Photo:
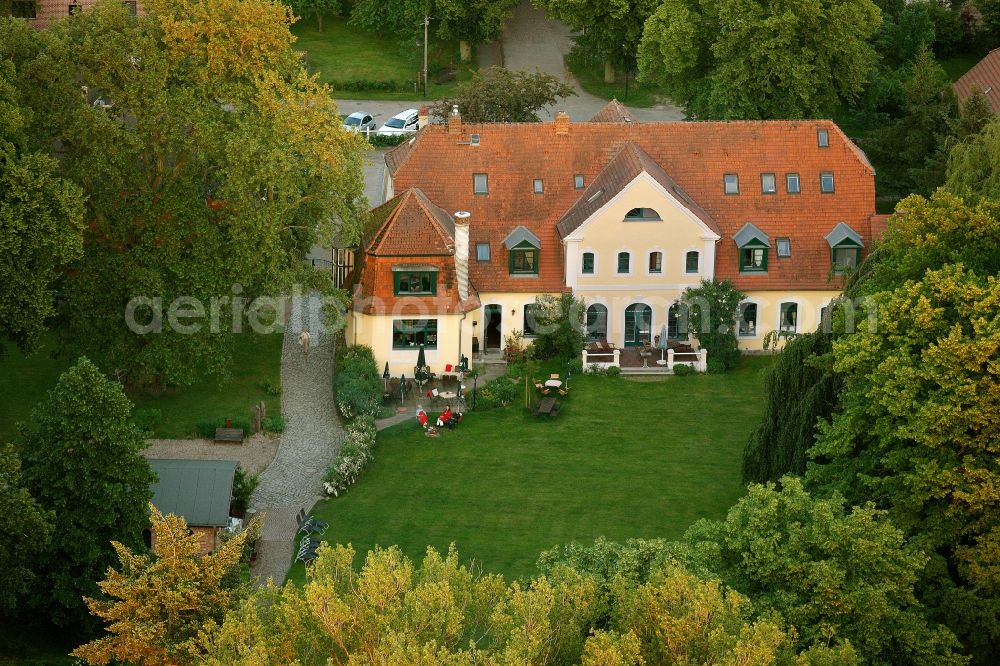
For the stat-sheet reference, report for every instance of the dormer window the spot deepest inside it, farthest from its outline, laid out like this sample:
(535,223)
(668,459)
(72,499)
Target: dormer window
(823,138)
(753,245)
(523,249)
(642,215)
(414,281)
(845,248)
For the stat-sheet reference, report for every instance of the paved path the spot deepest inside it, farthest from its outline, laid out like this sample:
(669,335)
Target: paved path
(309,444)
(254,455)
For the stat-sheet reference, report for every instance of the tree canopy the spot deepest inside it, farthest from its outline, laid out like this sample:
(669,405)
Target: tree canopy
(41,217)
(974,165)
(500,95)
(472,21)
(711,311)
(210,166)
(81,463)
(26,529)
(759,59)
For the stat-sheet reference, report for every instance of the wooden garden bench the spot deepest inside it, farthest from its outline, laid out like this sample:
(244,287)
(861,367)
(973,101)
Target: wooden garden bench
(229,435)
(548,407)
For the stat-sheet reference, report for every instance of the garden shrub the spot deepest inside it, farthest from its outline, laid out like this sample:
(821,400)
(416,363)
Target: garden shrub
(357,451)
(360,85)
(559,326)
(499,392)
(272,388)
(712,318)
(274,423)
(613,371)
(147,420)
(379,141)
(683,370)
(357,382)
(243,486)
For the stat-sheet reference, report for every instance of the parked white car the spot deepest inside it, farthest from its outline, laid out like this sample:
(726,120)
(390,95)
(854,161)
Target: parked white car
(403,122)
(360,121)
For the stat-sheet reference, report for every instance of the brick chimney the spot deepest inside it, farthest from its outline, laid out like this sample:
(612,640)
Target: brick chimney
(462,252)
(422,117)
(562,124)
(454,121)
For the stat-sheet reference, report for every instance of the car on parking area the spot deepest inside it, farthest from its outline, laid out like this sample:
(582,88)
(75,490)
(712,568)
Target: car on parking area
(360,121)
(403,122)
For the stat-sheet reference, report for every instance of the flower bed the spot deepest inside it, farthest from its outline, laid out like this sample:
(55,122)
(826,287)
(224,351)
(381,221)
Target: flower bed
(356,453)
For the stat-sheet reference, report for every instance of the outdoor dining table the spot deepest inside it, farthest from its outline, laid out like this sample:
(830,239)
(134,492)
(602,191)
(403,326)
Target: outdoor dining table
(553,383)
(447,395)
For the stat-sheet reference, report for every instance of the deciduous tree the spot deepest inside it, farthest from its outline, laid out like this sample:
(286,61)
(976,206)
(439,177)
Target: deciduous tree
(748,59)
(160,607)
(41,218)
(26,530)
(81,462)
(974,165)
(711,310)
(213,165)
(315,9)
(500,95)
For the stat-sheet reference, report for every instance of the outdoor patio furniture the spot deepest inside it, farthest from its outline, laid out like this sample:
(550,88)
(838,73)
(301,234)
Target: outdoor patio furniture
(554,382)
(547,407)
(229,435)
(309,524)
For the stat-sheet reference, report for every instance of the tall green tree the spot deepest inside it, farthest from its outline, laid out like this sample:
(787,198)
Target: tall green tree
(82,464)
(316,9)
(212,166)
(749,59)
(501,95)
(974,165)
(608,29)
(41,218)
(830,571)
(26,530)
(559,326)
(711,309)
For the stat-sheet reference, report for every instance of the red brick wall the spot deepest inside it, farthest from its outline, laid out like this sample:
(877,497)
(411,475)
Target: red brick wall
(48,11)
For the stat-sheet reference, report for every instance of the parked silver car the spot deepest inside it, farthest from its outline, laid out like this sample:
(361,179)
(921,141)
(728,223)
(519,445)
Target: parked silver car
(360,121)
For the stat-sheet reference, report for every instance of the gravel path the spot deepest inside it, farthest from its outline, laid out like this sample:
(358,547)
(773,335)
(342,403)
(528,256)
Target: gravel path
(254,455)
(310,442)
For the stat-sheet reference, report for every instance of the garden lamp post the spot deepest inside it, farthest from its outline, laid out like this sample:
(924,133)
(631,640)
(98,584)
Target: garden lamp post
(474,392)
(385,378)
(569,373)
(402,388)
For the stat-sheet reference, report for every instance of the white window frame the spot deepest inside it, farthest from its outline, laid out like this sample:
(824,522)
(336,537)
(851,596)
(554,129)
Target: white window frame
(756,323)
(798,314)
(538,186)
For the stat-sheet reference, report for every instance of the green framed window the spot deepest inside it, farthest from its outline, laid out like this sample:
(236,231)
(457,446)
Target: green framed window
(411,333)
(414,283)
(597,322)
(845,257)
(530,327)
(746,320)
(638,324)
(642,215)
(753,257)
(524,259)
(789,317)
(691,262)
(587,267)
(624,262)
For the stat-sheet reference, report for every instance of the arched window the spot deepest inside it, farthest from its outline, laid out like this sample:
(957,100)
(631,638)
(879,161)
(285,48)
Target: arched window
(597,323)
(638,324)
(642,215)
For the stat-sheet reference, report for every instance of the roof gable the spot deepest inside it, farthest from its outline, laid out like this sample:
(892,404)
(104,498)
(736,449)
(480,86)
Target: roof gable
(843,233)
(614,112)
(413,227)
(749,233)
(630,163)
(521,235)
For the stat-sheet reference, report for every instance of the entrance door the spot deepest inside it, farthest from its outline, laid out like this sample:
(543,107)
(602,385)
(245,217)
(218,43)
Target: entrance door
(491,327)
(638,323)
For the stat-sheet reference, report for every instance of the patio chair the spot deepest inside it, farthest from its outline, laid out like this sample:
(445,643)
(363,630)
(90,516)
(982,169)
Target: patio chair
(309,524)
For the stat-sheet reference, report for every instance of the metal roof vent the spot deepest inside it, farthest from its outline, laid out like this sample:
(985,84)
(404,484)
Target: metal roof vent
(594,196)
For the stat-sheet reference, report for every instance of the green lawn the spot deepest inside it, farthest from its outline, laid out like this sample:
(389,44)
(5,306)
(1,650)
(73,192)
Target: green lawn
(342,53)
(623,459)
(24,382)
(959,64)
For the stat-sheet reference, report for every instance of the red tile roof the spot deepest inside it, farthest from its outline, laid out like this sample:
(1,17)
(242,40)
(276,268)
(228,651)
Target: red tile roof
(696,155)
(613,112)
(986,75)
(409,232)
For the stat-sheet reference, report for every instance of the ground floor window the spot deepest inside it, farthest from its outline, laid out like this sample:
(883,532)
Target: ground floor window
(597,323)
(747,319)
(677,322)
(789,317)
(409,333)
(530,319)
(638,324)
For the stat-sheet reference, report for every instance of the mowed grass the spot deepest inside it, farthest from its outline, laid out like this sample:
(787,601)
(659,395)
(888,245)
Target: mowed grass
(623,459)
(345,53)
(26,380)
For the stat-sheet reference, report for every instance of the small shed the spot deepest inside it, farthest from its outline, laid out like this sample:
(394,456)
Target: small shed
(198,490)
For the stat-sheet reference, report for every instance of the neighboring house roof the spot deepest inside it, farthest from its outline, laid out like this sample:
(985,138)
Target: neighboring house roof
(750,233)
(198,490)
(614,112)
(986,75)
(409,233)
(696,155)
(413,227)
(630,161)
(842,233)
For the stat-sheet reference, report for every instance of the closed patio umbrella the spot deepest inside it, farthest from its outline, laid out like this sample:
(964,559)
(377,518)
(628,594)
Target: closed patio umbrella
(421,360)
(402,388)
(385,378)
(662,344)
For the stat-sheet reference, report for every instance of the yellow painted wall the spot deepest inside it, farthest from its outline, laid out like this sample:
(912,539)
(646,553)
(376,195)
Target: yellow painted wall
(508,322)
(810,305)
(376,332)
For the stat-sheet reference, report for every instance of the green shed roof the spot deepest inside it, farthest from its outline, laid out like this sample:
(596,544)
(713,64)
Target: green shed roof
(198,490)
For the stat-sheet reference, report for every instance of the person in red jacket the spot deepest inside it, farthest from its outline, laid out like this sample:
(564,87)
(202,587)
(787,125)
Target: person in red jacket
(445,417)
(421,417)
